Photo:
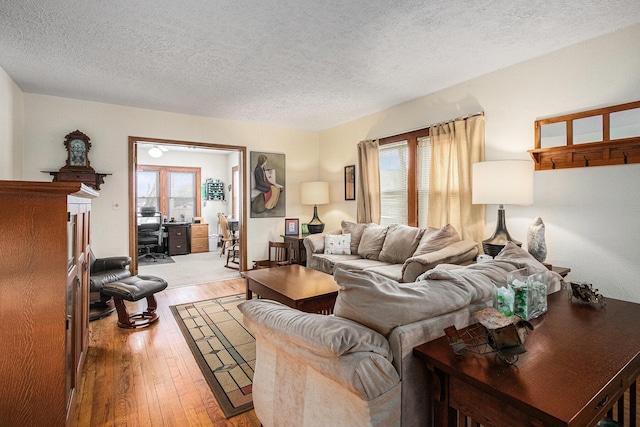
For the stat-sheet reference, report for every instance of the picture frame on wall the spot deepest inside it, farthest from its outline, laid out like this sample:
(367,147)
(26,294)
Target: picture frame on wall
(350,182)
(268,182)
(291,226)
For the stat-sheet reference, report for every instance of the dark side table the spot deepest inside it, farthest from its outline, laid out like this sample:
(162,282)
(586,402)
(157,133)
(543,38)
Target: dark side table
(299,255)
(579,361)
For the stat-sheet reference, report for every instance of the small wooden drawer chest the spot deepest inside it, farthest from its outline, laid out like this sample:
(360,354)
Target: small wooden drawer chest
(199,238)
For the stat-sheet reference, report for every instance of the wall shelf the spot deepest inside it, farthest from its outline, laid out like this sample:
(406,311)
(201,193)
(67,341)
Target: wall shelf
(600,137)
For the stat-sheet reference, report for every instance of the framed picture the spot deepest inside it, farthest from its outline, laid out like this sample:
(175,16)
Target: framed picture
(350,182)
(268,181)
(291,227)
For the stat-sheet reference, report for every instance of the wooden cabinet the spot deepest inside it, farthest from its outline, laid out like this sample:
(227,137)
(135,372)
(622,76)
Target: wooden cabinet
(199,238)
(177,238)
(44,299)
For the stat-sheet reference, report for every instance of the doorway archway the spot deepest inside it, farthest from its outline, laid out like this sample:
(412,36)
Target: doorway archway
(132,167)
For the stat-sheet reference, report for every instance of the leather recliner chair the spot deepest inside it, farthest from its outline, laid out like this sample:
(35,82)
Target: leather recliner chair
(103,271)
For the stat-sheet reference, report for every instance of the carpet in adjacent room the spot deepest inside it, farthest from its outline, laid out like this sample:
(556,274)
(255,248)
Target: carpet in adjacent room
(223,348)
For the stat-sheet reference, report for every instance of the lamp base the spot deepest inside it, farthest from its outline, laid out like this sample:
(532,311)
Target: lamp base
(493,250)
(494,244)
(315,226)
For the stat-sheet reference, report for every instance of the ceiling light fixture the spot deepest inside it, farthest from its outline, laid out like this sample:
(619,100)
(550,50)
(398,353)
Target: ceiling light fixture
(155,152)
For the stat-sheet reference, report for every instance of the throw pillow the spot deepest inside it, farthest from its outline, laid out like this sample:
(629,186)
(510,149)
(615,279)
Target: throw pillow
(435,239)
(355,229)
(401,242)
(337,244)
(371,242)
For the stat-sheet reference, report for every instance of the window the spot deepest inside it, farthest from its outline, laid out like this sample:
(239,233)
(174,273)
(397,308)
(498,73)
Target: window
(147,189)
(404,178)
(174,191)
(394,164)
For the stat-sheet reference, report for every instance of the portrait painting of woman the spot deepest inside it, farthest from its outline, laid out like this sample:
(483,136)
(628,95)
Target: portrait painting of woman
(267,185)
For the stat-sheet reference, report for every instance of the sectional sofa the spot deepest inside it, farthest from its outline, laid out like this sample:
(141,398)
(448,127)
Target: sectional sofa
(399,252)
(356,368)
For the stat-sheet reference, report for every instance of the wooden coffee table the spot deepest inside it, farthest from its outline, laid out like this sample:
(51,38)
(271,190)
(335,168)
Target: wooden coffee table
(580,359)
(294,285)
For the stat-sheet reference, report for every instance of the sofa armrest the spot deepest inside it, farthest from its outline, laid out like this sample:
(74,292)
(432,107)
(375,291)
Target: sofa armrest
(351,354)
(456,253)
(314,243)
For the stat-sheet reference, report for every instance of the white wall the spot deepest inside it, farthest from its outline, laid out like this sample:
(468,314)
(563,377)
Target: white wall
(591,214)
(48,119)
(11,126)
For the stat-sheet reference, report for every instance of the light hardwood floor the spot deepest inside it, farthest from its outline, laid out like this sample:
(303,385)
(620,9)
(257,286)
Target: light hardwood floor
(148,377)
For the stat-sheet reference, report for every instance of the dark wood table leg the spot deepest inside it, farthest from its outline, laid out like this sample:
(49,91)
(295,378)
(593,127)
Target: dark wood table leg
(441,414)
(249,292)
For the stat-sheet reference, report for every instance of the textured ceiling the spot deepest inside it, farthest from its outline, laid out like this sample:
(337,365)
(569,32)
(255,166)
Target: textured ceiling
(293,63)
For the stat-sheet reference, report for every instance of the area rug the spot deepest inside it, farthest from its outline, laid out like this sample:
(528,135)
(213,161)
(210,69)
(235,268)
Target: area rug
(143,260)
(224,349)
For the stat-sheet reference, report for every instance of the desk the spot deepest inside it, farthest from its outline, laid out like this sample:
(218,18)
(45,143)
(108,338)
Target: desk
(178,237)
(580,359)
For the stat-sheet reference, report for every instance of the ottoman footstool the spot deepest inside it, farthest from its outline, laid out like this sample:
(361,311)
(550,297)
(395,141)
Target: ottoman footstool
(135,288)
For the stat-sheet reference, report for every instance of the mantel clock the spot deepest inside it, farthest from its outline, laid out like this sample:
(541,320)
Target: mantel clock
(78,167)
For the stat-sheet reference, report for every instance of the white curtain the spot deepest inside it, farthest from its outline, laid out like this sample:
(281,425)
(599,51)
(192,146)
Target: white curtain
(455,146)
(368,190)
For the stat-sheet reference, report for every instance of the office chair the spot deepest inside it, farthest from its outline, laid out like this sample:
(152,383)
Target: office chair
(149,231)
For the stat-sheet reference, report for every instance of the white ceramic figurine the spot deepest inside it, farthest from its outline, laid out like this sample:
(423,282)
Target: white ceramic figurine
(535,240)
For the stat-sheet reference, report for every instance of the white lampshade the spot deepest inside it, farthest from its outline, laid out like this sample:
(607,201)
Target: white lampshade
(314,193)
(503,182)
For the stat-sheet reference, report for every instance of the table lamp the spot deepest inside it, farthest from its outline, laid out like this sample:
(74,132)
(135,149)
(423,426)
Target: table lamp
(315,193)
(502,182)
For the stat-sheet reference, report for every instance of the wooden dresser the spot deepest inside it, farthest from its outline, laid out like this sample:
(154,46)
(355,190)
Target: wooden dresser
(199,238)
(44,299)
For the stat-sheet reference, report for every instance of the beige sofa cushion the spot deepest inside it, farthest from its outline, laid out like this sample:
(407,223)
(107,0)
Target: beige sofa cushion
(355,229)
(382,304)
(400,243)
(372,241)
(327,336)
(327,263)
(435,239)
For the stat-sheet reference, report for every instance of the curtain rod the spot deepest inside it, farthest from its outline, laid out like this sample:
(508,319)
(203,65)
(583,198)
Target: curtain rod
(481,113)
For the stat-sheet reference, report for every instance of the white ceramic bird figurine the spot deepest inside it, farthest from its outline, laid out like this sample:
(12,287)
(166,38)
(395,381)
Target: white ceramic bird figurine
(535,240)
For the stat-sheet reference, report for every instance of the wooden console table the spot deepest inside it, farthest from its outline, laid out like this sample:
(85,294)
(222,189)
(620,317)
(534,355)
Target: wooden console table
(580,360)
